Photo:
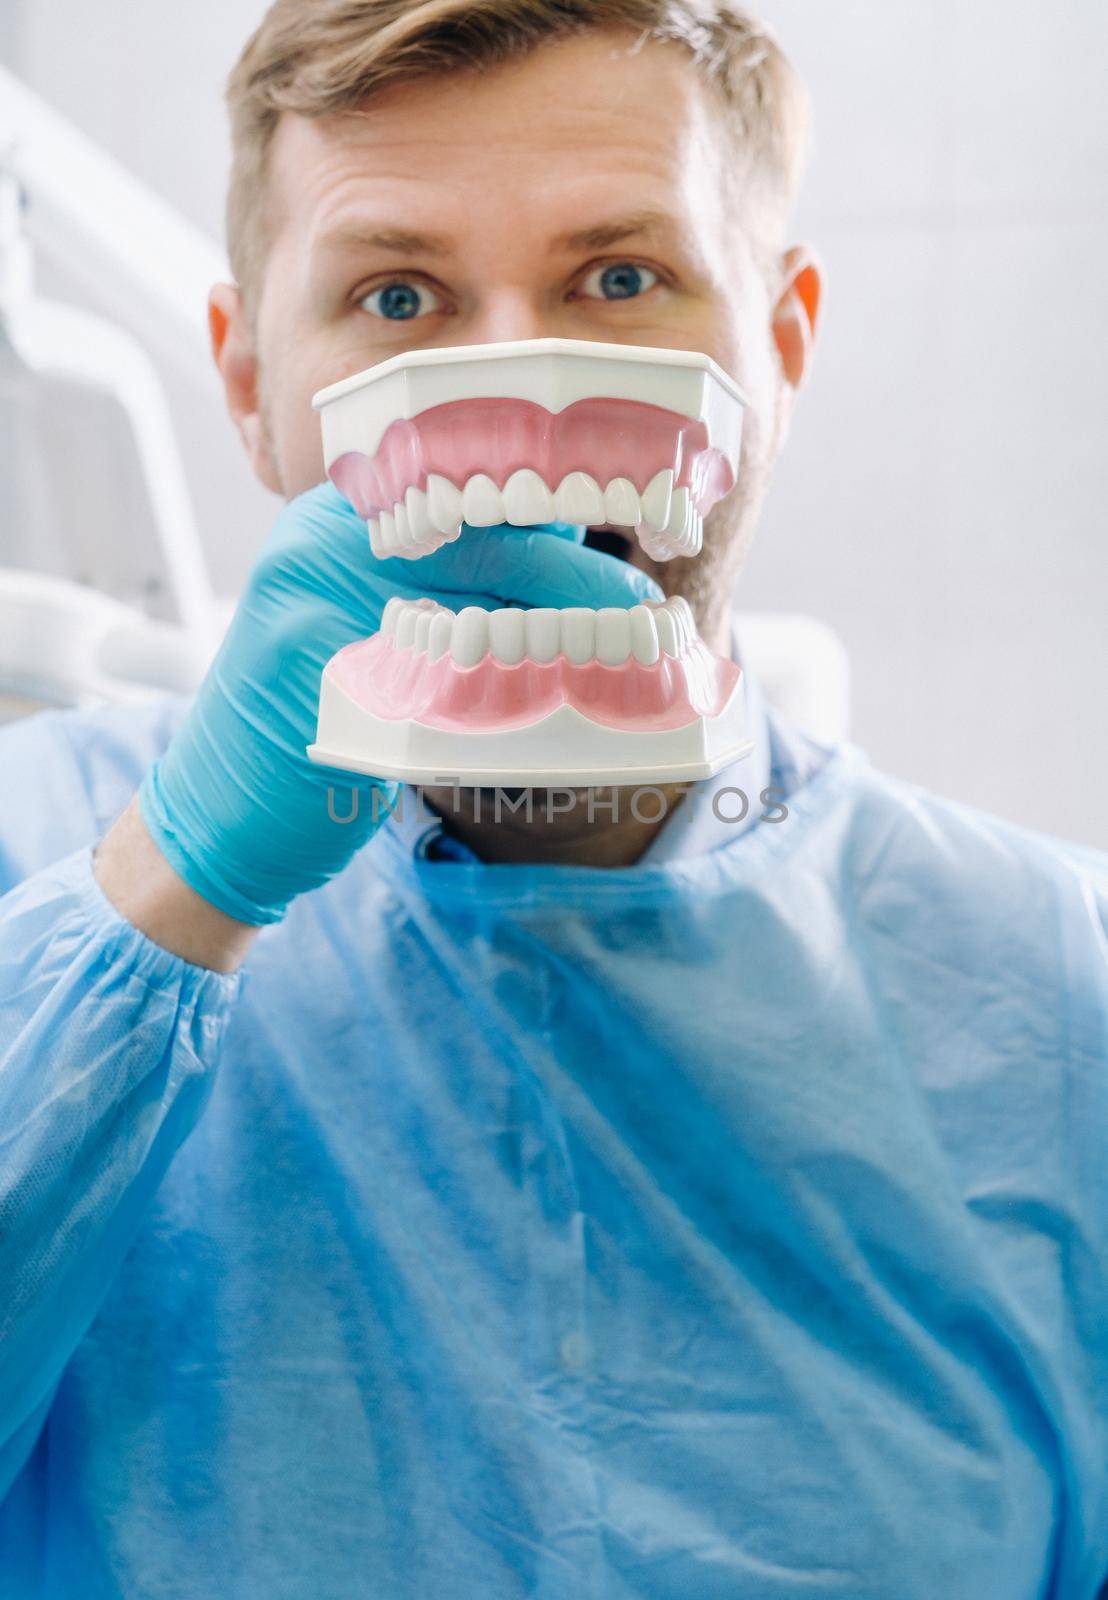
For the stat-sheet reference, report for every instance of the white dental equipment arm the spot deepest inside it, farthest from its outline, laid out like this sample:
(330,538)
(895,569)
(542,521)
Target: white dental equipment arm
(62,642)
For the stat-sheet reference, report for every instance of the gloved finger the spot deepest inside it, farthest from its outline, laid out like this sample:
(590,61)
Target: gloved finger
(412,578)
(518,566)
(337,538)
(574,531)
(404,572)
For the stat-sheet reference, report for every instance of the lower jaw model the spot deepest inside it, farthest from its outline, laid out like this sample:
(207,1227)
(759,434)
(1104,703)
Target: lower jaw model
(632,438)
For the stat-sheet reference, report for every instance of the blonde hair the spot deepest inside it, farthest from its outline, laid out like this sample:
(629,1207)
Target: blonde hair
(324,57)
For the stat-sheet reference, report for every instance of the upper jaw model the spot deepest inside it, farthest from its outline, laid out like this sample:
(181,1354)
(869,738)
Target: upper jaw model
(528,433)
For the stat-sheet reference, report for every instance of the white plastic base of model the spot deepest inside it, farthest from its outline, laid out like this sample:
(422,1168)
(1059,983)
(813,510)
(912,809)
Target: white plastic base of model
(562,750)
(553,373)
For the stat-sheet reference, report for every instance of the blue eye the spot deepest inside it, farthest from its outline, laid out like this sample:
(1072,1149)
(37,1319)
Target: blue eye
(623,280)
(400,301)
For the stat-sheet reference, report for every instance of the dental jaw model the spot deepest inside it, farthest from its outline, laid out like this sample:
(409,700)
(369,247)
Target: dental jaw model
(641,439)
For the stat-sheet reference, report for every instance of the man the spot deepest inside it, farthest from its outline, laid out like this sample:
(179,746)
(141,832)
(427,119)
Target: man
(574,1206)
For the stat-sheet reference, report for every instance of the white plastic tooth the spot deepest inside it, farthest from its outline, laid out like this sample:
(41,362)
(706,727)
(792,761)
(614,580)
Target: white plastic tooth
(407,543)
(507,639)
(403,531)
(397,535)
(376,541)
(389,545)
(433,542)
(527,499)
(644,635)
(542,628)
(579,499)
(444,504)
(391,614)
(403,543)
(469,637)
(613,635)
(482,502)
(438,635)
(669,637)
(621,503)
(657,544)
(694,540)
(688,540)
(423,628)
(421,527)
(681,607)
(579,634)
(681,623)
(406,626)
(440,539)
(682,534)
(680,507)
(656,500)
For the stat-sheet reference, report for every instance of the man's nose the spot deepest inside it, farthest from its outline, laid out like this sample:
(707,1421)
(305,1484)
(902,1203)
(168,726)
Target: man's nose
(509,315)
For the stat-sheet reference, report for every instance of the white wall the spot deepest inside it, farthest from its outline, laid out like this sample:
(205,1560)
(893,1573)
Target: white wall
(942,499)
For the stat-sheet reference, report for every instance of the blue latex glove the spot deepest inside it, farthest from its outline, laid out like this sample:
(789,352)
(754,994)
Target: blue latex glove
(234,803)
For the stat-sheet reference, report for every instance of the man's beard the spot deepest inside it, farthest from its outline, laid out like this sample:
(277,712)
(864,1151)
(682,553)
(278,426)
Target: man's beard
(266,423)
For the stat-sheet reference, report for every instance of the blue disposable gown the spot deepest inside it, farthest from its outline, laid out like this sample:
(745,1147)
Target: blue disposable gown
(731,1227)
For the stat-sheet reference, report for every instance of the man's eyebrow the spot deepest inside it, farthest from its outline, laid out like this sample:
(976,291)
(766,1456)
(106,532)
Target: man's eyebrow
(400,241)
(397,241)
(601,235)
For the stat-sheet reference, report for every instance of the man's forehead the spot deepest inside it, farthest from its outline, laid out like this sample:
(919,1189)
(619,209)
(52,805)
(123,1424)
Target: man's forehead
(444,145)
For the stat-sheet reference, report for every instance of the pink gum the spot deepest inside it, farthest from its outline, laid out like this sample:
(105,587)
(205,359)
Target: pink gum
(605,438)
(490,696)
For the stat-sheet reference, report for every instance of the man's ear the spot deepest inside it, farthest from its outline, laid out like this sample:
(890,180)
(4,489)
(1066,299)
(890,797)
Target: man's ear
(234,355)
(796,314)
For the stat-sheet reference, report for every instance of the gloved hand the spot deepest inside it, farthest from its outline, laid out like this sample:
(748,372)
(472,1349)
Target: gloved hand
(234,803)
